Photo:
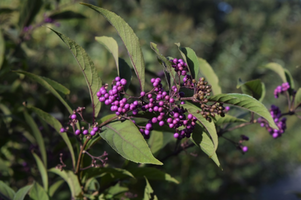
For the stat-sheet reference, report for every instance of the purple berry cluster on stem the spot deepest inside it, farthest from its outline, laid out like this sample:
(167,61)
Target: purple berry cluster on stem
(281,123)
(281,89)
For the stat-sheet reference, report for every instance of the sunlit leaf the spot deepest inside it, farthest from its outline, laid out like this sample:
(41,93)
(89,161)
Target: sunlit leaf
(71,180)
(42,170)
(37,135)
(152,174)
(111,45)
(126,139)
(254,88)
(21,193)
(37,192)
(202,140)
(45,84)
(6,192)
(158,140)
(228,119)
(53,188)
(209,126)
(67,15)
(88,69)
(129,39)
(246,102)
(210,76)
(57,126)
(149,192)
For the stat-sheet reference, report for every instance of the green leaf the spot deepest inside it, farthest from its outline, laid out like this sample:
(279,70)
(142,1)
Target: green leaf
(298,98)
(149,192)
(42,171)
(57,86)
(53,188)
(125,72)
(117,189)
(158,140)
(71,180)
(168,70)
(228,119)
(2,48)
(283,73)
(111,45)
(6,192)
(202,140)
(115,173)
(152,174)
(129,39)
(88,69)
(254,88)
(67,15)
(126,139)
(45,84)
(191,59)
(37,135)
(29,9)
(21,193)
(209,126)
(53,122)
(38,193)
(210,76)
(246,102)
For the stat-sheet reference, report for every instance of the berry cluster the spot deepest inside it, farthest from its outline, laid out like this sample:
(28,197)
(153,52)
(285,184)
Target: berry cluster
(281,89)
(281,123)
(73,120)
(244,149)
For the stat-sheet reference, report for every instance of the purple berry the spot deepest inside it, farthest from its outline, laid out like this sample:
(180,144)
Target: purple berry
(62,130)
(161,123)
(92,132)
(117,78)
(176,135)
(85,132)
(244,149)
(95,129)
(123,81)
(154,120)
(77,132)
(73,116)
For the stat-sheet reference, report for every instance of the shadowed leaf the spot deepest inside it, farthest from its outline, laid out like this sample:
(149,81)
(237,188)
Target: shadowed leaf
(66,15)
(21,193)
(37,192)
(42,170)
(254,88)
(6,192)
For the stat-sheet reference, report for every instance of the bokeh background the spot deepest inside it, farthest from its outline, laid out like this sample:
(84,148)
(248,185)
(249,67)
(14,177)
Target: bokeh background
(236,37)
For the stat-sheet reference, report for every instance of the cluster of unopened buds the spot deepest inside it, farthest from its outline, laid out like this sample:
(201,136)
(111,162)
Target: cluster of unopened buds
(281,89)
(281,123)
(73,120)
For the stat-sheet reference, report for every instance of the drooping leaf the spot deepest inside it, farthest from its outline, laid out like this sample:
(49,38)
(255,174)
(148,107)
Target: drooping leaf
(71,180)
(246,102)
(191,59)
(298,98)
(210,76)
(57,126)
(126,139)
(111,45)
(6,192)
(37,135)
(57,86)
(67,15)
(209,126)
(202,140)
(37,192)
(152,174)
(283,73)
(115,173)
(158,140)
(149,192)
(45,84)
(116,190)
(254,88)
(21,193)
(2,49)
(29,9)
(88,69)
(228,119)
(168,70)
(53,188)
(129,39)
(42,170)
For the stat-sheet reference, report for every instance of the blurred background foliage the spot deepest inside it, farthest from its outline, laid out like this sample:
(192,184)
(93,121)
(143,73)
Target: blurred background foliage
(236,37)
